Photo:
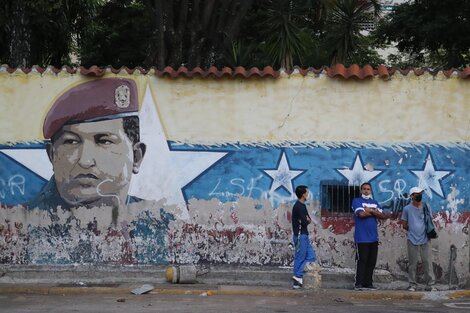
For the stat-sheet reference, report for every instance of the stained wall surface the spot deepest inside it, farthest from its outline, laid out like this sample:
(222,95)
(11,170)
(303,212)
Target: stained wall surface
(223,156)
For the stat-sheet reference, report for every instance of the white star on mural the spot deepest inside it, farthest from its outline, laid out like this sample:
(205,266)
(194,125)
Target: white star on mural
(36,160)
(283,175)
(358,174)
(164,172)
(429,178)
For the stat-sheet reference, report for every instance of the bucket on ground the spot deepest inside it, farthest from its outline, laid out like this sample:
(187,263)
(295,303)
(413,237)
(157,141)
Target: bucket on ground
(183,274)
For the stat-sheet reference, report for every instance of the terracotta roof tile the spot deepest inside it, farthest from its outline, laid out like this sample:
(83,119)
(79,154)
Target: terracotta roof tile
(354,71)
(419,71)
(92,71)
(448,73)
(464,73)
(383,72)
(227,71)
(339,70)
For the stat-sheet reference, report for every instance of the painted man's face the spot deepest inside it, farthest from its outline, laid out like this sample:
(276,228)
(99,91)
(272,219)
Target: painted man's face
(93,162)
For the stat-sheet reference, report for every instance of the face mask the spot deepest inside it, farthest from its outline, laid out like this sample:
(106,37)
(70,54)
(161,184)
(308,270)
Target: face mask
(367,197)
(418,197)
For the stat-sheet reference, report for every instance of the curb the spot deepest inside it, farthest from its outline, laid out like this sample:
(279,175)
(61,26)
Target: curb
(459,294)
(384,295)
(238,291)
(127,290)
(64,290)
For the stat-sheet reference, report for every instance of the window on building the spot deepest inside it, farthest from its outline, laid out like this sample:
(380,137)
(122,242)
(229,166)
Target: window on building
(336,197)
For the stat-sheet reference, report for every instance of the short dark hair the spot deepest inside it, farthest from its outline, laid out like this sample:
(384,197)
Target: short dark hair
(130,124)
(366,183)
(300,190)
(131,128)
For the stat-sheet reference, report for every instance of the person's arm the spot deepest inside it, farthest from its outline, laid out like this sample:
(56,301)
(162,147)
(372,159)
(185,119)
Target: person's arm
(359,210)
(429,209)
(305,217)
(365,213)
(378,213)
(404,218)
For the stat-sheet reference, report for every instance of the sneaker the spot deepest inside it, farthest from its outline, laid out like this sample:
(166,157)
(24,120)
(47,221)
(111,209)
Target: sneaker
(296,285)
(297,281)
(359,287)
(430,288)
(370,287)
(411,288)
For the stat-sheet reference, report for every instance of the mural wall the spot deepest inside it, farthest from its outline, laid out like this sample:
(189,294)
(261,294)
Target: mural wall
(139,169)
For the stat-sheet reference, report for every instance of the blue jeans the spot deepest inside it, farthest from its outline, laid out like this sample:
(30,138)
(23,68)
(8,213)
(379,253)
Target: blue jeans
(304,254)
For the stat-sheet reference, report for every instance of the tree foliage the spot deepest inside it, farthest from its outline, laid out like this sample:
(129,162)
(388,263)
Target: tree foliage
(43,32)
(344,39)
(193,32)
(286,27)
(429,32)
(279,33)
(118,36)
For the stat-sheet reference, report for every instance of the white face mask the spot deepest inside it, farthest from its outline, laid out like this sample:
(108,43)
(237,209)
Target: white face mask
(367,197)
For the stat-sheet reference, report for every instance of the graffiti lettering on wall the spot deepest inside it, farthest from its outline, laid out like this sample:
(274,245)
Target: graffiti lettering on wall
(398,192)
(245,189)
(16,183)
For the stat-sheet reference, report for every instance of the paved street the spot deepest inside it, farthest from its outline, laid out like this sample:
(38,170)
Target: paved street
(16,303)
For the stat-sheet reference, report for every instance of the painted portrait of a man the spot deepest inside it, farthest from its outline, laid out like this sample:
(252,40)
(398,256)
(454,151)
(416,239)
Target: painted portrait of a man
(93,144)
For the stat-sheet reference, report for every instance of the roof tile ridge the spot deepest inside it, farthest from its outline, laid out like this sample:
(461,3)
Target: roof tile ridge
(93,70)
(464,73)
(384,72)
(336,70)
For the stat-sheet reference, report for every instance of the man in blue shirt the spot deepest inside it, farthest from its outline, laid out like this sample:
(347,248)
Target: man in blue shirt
(304,253)
(366,237)
(417,243)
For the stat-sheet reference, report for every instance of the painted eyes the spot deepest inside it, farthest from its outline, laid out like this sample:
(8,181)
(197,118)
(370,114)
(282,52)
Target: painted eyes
(71,141)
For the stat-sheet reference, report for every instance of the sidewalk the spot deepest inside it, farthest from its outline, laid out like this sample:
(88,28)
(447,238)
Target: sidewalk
(221,280)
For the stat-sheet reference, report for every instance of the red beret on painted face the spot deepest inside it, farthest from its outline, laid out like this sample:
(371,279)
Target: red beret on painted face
(96,100)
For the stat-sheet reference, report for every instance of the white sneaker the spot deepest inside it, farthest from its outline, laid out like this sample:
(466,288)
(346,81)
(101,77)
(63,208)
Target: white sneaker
(411,288)
(298,280)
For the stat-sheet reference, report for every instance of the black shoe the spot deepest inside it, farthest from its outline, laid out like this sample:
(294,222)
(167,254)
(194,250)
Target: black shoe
(411,288)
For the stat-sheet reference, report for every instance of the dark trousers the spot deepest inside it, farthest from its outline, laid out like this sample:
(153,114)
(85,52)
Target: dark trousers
(366,258)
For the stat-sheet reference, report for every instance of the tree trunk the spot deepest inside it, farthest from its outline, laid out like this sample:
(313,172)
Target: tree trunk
(160,35)
(20,32)
(179,17)
(196,36)
(194,32)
